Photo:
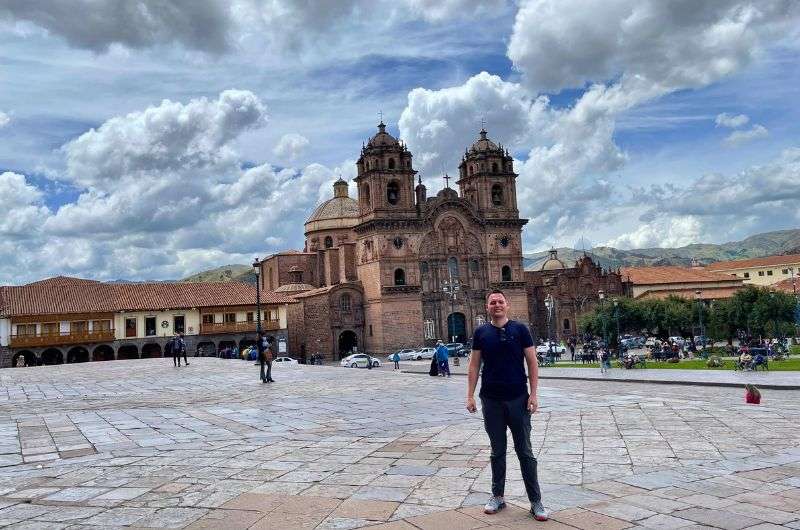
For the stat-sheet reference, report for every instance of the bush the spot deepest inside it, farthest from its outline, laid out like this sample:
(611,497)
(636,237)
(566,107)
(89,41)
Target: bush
(673,360)
(714,362)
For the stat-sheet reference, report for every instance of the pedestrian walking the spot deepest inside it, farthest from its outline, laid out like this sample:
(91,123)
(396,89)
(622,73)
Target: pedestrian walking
(504,347)
(180,346)
(572,349)
(601,361)
(269,356)
(396,360)
(442,355)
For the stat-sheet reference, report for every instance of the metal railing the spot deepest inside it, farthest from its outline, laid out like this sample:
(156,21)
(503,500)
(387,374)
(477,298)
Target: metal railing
(61,338)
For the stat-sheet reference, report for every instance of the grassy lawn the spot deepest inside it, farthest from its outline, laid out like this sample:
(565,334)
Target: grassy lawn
(696,364)
(794,349)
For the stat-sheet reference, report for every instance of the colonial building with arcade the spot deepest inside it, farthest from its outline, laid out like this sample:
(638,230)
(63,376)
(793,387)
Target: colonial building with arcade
(395,268)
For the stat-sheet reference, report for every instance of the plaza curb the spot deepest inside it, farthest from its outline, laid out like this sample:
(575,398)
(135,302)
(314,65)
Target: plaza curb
(651,381)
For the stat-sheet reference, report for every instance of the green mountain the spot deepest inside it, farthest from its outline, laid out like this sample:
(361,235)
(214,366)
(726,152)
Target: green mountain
(226,273)
(759,245)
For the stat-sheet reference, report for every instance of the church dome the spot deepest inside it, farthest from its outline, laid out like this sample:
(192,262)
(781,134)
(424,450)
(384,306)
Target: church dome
(382,138)
(291,288)
(484,144)
(553,263)
(341,211)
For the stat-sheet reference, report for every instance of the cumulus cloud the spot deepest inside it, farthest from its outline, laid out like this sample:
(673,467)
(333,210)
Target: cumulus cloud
(731,121)
(559,44)
(197,24)
(743,136)
(21,204)
(163,195)
(290,146)
(5,119)
(674,232)
(169,137)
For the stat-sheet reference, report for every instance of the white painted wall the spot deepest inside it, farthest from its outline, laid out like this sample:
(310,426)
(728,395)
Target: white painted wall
(5,331)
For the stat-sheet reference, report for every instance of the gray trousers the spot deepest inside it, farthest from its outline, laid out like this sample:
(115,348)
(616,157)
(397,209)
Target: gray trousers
(498,417)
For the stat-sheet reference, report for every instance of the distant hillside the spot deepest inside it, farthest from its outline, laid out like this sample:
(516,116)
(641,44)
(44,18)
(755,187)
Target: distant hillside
(226,273)
(759,245)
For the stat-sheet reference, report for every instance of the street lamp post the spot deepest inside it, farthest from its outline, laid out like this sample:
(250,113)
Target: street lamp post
(602,295)
(616,315)
(698,293)
(257,268)
(451,286)
(550,305)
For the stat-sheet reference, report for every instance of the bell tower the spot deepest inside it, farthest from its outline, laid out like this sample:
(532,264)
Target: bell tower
(487,179)
(385,178)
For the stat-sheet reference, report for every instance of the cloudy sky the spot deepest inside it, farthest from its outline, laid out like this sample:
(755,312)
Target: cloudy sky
(145,139)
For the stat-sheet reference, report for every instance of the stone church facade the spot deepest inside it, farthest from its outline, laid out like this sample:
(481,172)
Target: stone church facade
(394,268)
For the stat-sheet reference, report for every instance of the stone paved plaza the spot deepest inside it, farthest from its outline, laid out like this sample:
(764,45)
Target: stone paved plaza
(142,444)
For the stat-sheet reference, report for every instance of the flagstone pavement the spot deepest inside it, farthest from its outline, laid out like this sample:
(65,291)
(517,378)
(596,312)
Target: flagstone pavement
(143,444)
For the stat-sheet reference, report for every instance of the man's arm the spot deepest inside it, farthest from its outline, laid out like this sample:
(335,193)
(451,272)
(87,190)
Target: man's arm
(533,377)
(472,378)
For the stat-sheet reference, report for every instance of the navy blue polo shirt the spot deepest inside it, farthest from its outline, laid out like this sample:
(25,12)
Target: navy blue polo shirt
(503,355)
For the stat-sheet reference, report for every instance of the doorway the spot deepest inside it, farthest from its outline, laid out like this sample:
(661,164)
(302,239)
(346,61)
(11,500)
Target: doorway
(456,328)
(348,341)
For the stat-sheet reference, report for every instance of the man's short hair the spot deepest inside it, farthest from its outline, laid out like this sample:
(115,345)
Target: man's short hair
(496,291)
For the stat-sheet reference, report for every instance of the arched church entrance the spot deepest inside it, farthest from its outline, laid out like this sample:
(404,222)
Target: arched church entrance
(348,341)
(456,327)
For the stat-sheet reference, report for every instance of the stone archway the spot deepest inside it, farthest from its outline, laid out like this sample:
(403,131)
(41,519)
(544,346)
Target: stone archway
(456,327)
(129,351)
(103,352)
(52,356)
(151,350)
(348,341)
(27,356)
(78,354)
(207,349)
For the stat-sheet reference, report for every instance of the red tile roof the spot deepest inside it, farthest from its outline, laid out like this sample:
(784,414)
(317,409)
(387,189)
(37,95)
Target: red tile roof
(673,274)
(788,285)
(768,261)
(73,295)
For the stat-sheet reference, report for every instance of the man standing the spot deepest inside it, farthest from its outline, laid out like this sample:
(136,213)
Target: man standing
(442,357)
(180,347)
(504,347)
(261,346)
(269,355)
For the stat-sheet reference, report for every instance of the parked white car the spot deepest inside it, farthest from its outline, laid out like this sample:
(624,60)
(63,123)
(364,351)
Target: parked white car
(405,355)
(544,348)
(286,360)
(360,360)
(424,353)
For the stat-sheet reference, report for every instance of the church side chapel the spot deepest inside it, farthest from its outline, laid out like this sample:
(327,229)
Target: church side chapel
(394,268)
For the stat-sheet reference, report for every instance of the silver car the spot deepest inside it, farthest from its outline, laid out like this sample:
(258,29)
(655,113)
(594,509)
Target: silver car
(424,353)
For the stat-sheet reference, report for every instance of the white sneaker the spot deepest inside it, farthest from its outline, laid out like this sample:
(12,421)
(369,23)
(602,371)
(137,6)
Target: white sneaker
(494,505)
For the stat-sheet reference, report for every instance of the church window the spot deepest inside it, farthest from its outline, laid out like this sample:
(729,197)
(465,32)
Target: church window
(452,267)
(497,195)
(399,277)
(370,330)
(504,241)
(391,163)
(473,266)
(393,192)
(366,194)
(566,324)
(328,241)
(344,303)
(469,169)
(423,267)
(408,164)
(494,167)
(506,273)
(397,242)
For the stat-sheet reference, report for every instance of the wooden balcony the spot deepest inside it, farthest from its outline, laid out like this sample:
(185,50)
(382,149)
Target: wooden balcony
(61,339)
(238,327)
